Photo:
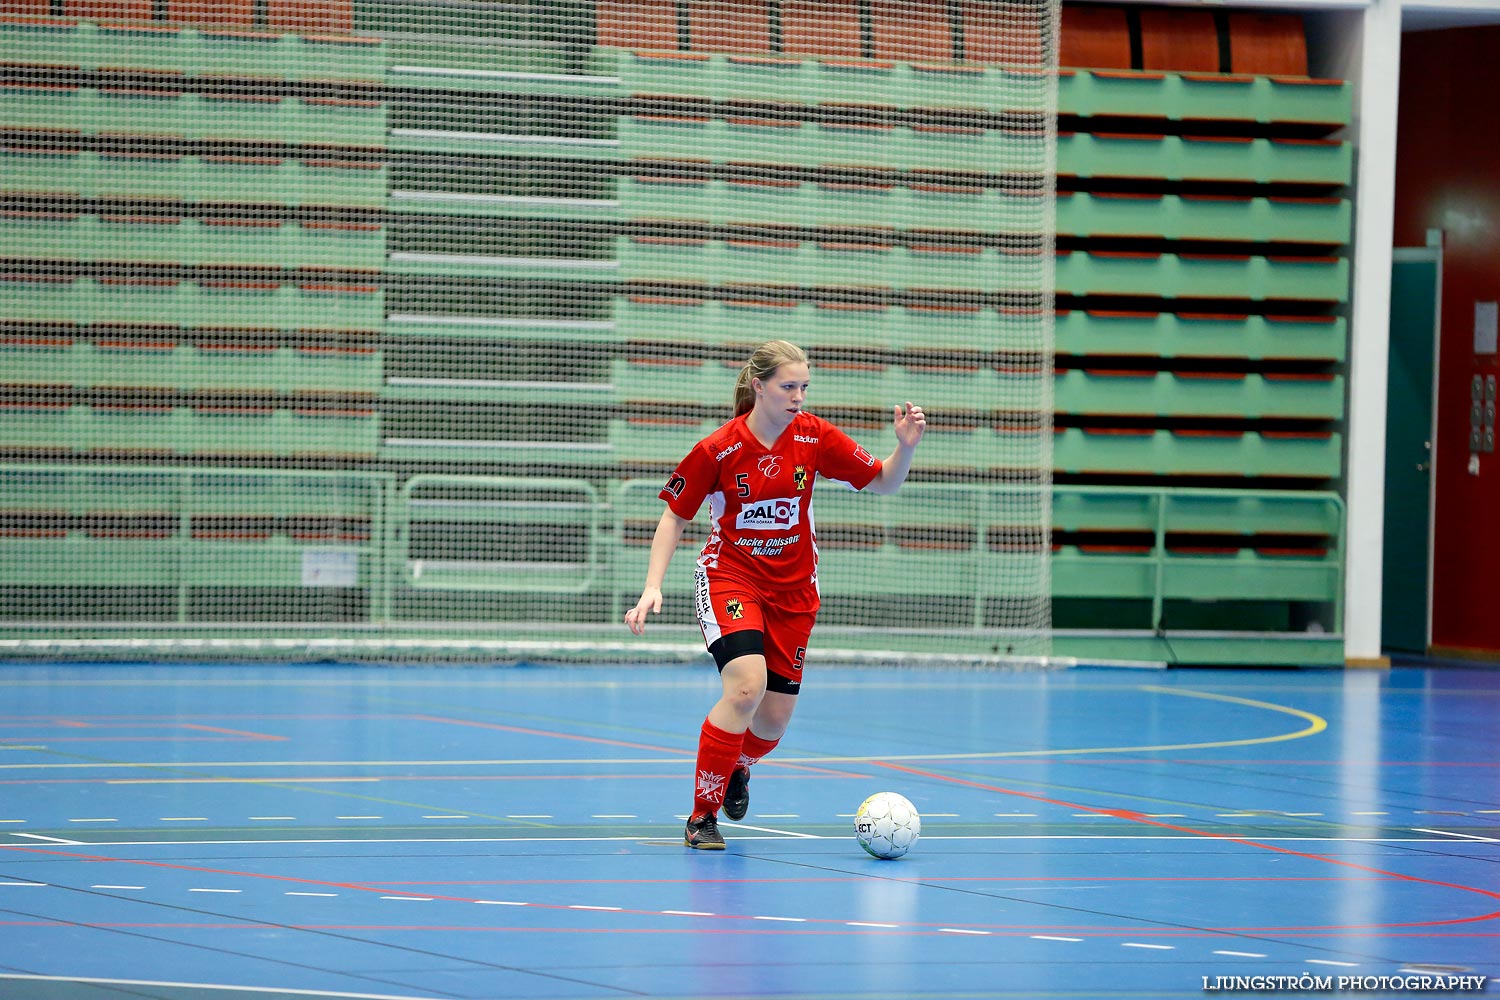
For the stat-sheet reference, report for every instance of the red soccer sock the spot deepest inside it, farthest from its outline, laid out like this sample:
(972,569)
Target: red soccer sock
(717,753)
(755,747)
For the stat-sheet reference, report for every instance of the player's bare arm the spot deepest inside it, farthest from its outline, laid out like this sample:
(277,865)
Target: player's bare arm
(910,424)
(668,533)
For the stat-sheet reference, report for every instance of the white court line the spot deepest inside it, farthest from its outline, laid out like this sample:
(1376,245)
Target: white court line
(767,829)
(48,840)
(670,838)
(1053,937)
(278,990)
(1241,954)
(1465,836)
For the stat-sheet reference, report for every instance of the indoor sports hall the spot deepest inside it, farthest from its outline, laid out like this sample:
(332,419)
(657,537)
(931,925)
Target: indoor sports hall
(365,365)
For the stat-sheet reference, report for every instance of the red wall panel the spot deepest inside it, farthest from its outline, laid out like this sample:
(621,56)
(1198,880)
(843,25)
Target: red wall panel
(1448,178)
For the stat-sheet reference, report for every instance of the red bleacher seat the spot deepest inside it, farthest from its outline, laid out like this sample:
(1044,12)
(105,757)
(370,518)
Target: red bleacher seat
(311,16)
(638,24)
(1184,41)
(1094,37)
(108,10)
(1002,33)
(811,28)
(235,13)
(729,25)
(1270,44)
(911,32)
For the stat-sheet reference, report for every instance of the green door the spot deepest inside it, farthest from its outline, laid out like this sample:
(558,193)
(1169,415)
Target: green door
(1409,450)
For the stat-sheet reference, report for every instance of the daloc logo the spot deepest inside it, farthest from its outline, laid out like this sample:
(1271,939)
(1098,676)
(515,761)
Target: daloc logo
(770,515)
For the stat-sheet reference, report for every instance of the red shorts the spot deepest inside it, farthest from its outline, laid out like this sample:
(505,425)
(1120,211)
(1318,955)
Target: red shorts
(736,620)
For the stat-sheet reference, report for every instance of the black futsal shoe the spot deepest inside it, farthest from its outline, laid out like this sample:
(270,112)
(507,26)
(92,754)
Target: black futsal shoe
(737,794)
(702,833)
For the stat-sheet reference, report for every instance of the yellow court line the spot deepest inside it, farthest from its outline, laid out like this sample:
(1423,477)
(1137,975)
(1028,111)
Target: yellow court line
(1315,724)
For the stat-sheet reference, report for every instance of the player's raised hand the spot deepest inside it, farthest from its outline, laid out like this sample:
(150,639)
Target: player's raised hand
(911,424)
(636,616)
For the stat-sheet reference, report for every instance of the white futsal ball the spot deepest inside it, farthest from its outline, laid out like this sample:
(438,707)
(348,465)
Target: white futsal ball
(887,825)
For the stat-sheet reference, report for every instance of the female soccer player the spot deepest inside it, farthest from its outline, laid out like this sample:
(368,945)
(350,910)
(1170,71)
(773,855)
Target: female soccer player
(757,575)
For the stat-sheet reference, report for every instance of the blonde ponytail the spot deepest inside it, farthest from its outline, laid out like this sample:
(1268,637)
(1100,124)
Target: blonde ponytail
(762,365)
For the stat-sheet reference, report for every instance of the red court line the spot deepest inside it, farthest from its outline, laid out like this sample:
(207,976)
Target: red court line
(251,738)
(378,779)
(908,928)
(677,751)
(1145,820)
(923,930)
(914,880)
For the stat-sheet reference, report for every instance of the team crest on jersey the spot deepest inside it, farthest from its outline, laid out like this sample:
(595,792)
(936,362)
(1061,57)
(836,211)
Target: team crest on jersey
(799,477)
(770,466)
(734,608)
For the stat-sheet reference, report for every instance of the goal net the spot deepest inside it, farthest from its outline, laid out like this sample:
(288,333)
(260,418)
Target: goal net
(371,330)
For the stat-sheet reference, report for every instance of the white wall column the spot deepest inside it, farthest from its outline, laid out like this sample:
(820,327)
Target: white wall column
(1375,111)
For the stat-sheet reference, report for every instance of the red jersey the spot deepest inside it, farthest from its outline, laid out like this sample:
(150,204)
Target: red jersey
(760,500)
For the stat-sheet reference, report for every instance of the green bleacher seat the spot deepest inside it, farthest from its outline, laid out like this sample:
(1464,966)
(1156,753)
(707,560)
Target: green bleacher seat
(188,367)
(1205,217)
(1192,335)
(1214,276)
(1122,451)
(1210,96)
(1223,158)
(1193,393)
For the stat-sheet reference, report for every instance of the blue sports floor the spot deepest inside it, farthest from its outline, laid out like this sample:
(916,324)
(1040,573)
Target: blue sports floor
(191,832)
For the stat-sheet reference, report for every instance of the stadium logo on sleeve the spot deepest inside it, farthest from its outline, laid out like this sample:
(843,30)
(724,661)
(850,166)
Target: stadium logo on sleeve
(770,515)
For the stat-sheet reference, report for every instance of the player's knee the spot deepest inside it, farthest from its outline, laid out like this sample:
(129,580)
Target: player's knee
(745,683)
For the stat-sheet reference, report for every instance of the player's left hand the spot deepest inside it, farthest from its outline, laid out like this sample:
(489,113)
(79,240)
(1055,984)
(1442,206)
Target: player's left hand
(911,424)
